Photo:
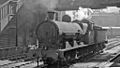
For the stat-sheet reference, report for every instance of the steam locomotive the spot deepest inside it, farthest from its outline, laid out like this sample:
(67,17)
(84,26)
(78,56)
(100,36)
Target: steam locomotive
(67,41)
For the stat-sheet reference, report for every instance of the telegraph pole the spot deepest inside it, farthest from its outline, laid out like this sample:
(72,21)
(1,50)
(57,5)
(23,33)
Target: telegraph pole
(14,14)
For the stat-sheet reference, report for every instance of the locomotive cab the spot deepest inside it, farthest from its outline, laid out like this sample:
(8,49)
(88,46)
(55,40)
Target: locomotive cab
(52,15)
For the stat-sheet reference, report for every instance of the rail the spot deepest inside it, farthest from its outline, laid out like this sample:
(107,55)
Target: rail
(103,60)
(7,9)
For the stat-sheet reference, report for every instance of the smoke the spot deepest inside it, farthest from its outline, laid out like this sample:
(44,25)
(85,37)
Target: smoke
(30,15)
(40,5)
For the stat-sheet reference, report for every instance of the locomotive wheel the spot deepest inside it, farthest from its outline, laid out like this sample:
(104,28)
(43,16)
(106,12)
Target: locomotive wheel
(48,60)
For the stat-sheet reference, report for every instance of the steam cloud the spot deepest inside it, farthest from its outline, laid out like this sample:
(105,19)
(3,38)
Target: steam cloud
(31,14)
(39,5)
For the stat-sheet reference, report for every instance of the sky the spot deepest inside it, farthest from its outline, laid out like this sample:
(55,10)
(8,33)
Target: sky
(82,12)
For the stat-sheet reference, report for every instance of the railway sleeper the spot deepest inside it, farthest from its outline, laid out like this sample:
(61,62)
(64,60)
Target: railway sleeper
(7,53)
(17,57)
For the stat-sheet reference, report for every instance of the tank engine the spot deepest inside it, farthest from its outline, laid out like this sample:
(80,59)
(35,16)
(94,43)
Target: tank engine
(83,37)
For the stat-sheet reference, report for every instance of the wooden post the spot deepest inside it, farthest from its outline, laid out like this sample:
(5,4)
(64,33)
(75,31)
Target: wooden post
(0,20)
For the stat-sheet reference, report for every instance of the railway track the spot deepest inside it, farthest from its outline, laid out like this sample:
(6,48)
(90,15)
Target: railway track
(109,62)
(104,59)
(32,64)
(112,43)
(14,64)
(116,43)
(19,62)
(94,62)
(22,64)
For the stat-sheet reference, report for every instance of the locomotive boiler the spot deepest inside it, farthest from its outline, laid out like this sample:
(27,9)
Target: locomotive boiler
(54,32)
(83,37)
